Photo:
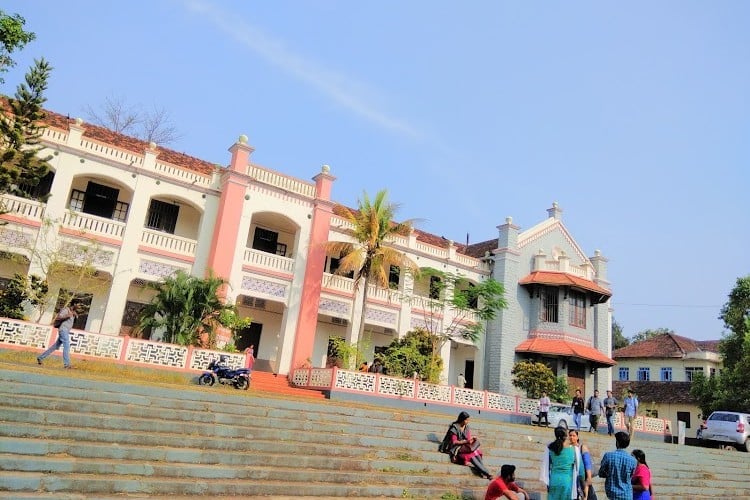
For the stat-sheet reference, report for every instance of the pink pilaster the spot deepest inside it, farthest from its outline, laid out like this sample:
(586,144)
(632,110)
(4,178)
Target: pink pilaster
(234,186)
(316,254)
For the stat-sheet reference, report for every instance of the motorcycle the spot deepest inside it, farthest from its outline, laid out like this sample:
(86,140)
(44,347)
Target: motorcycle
(239,378)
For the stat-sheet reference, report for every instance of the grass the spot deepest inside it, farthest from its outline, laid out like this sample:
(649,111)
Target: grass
(99,369)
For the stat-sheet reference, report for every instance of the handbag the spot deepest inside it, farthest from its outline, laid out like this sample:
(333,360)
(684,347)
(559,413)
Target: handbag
(58,322)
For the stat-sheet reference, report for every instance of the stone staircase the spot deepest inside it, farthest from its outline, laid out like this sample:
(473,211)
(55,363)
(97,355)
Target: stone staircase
(70,438)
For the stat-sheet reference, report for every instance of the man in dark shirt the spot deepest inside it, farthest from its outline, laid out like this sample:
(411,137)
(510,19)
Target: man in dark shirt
(577,406)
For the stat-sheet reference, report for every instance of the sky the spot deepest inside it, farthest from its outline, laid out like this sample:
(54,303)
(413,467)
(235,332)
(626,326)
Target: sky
(632,116)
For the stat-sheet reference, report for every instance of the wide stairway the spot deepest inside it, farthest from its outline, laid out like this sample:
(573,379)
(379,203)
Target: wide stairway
(70,438)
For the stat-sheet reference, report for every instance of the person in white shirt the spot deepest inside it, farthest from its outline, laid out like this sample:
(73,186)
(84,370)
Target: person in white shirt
(544,404)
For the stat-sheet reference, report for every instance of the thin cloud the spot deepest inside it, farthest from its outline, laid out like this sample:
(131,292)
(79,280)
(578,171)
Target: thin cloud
(336,86)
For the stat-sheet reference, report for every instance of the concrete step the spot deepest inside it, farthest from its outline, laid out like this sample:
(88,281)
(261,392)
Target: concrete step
(64,437)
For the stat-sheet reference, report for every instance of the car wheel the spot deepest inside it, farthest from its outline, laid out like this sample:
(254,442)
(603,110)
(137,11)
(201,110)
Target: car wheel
(746,446)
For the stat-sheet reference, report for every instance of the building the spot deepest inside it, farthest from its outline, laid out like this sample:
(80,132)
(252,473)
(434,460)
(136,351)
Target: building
(139,213)
(660,370)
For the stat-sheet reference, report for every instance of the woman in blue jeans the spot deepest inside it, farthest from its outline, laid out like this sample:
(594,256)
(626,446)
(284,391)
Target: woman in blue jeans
(64,321)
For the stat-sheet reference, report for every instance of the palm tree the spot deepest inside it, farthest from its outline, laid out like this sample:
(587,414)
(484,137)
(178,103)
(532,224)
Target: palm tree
(185,308)
(369,258)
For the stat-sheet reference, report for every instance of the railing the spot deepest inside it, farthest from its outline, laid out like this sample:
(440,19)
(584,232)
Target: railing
(378,385)
(15,205)
(121,349)
(106,151)
(281,181)
(337,282)
(467,261)
(432,250)
(94,225)
(339,223)
(55,135)
(168,242)
(267,260)
(180,173)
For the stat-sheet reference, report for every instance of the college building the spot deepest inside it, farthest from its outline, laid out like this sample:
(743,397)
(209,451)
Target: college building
(139,213)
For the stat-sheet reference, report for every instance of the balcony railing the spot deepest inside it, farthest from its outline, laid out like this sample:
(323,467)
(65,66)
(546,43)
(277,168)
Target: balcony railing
(281,181)
(29,209)
(336,282)
(270,261)
(168,242)
(93,225)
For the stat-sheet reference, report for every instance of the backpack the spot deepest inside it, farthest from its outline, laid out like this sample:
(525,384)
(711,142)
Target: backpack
(588,405)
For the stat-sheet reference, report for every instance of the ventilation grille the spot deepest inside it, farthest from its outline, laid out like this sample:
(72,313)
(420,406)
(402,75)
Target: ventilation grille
(339,321)
(253,302)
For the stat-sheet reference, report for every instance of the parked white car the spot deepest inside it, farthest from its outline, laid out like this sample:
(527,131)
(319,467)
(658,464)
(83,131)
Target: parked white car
(561,415)
(728,427)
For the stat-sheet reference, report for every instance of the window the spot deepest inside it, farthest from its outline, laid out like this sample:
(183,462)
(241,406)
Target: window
(624,374)
(162,216)
(684,416)
(577,301)
(98,204)
(64,297)
(394,276)
(435,287)
(690,372)
(666,374)
(266,240)
(712,372)
(644,374)
(38,192)
(549,305)
(333,266)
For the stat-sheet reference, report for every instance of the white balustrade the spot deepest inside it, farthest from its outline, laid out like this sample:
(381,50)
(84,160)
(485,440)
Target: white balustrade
(106,151)
(29,209)
(168,242)
(94,225)
(281,181)
(267,260)
(432,250)
(55,135)
(338,282)
(176,172)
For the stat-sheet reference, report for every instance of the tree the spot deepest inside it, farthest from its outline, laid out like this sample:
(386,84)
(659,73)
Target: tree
(12,38)
(369,257)
(20,292)
(185,309)
(21,129)
(730,389)
(647,334)
(534,378)
(412,354)
(469,306)
(116,114)
(618,339)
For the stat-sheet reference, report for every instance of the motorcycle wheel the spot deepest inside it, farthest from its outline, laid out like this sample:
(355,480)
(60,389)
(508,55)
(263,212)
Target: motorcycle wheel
(242,383)
(206,379)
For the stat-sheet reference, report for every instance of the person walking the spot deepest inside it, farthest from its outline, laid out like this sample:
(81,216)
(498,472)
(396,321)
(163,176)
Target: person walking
(505,486)
(586,484)
(641,480)
(560,468)
(610,404)
(577,405)
(596,408)
(617,468)
(461,381)
(631,411)
(544,404)
(63,322)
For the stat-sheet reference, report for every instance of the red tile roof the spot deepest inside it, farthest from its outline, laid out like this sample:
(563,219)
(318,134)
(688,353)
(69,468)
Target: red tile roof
(563,279)
(132,144)
(666,345)
(656,392)
(558,347)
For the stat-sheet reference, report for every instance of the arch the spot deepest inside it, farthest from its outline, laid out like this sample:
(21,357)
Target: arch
(273,232)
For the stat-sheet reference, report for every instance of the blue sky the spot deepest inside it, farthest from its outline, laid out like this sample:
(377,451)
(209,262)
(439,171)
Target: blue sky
(633,116)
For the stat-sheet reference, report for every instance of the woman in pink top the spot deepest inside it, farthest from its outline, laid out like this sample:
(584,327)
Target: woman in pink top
(641,477)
